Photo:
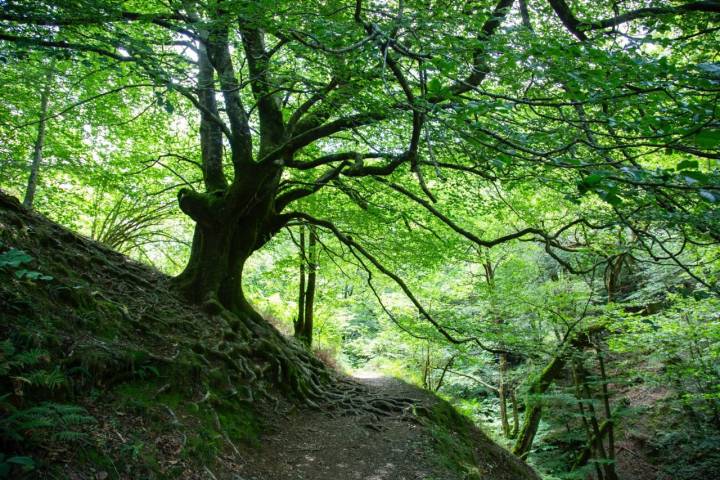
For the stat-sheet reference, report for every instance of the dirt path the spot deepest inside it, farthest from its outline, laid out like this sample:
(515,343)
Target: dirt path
(312,445)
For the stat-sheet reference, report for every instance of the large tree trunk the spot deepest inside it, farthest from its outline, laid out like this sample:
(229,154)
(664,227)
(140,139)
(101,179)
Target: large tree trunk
(217,259)
(213,278)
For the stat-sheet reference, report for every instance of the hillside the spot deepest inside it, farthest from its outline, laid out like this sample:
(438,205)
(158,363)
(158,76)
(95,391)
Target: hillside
(106,373)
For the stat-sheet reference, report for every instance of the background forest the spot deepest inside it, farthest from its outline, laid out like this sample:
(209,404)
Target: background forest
(543,254)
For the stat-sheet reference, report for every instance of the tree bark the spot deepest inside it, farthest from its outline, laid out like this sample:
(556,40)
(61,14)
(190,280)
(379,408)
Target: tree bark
(610,467)
(515,415)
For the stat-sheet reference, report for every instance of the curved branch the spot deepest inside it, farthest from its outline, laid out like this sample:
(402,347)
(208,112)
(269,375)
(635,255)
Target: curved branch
(578,27)
(350,242)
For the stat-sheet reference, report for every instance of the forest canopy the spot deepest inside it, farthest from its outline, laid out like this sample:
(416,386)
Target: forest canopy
(527,184)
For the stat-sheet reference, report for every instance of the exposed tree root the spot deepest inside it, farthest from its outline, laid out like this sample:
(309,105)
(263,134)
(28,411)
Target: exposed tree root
(255,351)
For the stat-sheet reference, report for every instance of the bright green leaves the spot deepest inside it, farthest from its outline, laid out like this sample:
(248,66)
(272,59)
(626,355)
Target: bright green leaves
(435,87)
(600,183)
(687,165)
(613,186)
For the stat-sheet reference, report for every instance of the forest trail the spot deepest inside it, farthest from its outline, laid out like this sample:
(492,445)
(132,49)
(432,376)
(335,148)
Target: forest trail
(313,445)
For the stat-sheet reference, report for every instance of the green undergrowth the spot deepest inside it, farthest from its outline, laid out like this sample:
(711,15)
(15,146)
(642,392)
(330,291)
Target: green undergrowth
(114,410)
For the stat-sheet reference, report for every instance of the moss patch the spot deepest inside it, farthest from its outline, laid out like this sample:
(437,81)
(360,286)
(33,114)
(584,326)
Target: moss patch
(453,443)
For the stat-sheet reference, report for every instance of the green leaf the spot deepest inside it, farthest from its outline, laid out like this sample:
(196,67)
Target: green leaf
(593,179)
(693,176)
(708,138)
(434,86)
(14,258)
(32,275)
(24,461)
(687,165)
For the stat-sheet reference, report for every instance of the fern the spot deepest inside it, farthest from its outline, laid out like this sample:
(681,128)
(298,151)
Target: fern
(50,379)
(23,428)
(46,419)
(30,357)
(8,463)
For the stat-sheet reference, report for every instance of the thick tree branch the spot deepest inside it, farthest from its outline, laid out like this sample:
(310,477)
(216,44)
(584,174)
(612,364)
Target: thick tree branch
(309,103)
(272,128)
(336,157)
(305,138)
(218,49)
(479,65)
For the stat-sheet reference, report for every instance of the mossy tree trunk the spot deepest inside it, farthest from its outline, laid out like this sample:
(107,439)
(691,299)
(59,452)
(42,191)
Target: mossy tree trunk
(307,331)
(503,394)
(540,385)
(533,406)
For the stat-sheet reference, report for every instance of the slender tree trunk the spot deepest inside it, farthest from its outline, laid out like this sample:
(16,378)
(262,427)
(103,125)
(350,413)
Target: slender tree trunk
(39,143)
(586,453)
(515,415)
(502,394)
(299,323)
(426,368)
(441,380)
(307,328)
(610,468)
